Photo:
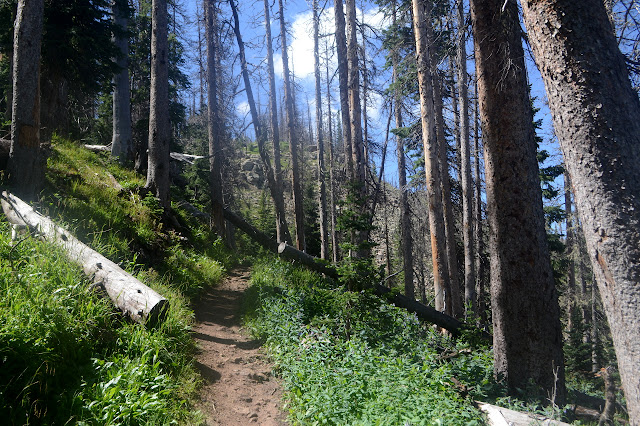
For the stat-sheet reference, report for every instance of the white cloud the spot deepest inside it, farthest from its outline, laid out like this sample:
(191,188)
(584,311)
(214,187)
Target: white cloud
(301,38)
(243,108)
(301,46)
(375,106)
(375,18)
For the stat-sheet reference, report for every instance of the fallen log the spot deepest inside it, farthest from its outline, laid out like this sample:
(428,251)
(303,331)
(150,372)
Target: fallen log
(187,158)
(423,312)
(98,148)
(500,416)
(133,298)
(178,156)
(194,211)
(282,249)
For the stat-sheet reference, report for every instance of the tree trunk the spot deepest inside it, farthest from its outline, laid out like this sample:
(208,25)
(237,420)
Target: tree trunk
(406,239)
(343,77)
(595,357)
(201,71)
(121,144)
(213,123)
(422,10)
(479,242)
(282,229)
(453,300)
(322,195)
(9,93)
(465,168)
(296,180)
(527,338)
(355,109)
(26,165)
(332,165)
(159,124)
(595,113)
(134,299)
(610,396)
(260,131)
(54,102)
(365,92)
(571,269)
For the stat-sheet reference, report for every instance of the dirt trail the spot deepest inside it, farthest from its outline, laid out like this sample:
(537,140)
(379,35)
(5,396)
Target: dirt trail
(239,386)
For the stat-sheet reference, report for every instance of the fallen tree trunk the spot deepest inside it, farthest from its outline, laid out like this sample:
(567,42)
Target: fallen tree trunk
(178,156)
(193,210)
(284,250)
(500,416)
(98,148)
(132,297)
(423,312)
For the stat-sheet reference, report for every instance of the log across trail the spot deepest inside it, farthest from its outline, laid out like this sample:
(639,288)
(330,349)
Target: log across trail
(239,388)
(286,251)
(133,298)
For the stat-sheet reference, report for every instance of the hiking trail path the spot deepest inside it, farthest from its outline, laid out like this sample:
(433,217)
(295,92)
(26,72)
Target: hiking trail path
(239,387)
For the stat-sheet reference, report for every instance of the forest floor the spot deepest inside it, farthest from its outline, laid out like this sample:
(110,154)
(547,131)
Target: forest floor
(239,387)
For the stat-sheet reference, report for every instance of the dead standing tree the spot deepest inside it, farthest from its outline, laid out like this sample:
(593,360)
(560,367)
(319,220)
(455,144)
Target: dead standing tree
(25,158)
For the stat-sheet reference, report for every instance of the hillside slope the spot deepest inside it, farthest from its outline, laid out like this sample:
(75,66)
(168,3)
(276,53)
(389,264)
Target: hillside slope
(67,355)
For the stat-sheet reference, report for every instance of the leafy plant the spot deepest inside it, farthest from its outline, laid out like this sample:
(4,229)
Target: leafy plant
(66,355)
(351,358)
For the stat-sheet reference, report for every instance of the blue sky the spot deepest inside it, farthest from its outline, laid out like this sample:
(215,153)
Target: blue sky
(300,41)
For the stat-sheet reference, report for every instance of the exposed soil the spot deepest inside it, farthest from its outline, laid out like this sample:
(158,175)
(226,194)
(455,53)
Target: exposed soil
(239,386)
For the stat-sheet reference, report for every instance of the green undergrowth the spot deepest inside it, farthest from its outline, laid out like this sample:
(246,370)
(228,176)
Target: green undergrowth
(351,358)
(66,355)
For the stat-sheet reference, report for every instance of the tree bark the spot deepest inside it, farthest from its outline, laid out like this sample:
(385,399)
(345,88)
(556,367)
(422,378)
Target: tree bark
(453,299)
(343,77)
(365,91)
(26,165)
(527,338)
(406,239)
(479,241)
(201,71)
(421,10)
(595,114)
(353,90)
(465,168)
(359,173)
(571,269)
(121,143)
(159,124)
(322,192)
(332,165)
(134,299)
(213,127)
(282,229)
(296,179)
(610,396)
(260,131)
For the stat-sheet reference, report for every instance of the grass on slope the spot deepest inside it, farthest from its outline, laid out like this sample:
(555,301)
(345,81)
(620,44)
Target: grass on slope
(351,358)
(66,356)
